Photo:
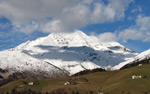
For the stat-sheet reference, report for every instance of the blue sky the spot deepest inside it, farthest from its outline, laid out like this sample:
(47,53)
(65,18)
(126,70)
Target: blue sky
(125,21)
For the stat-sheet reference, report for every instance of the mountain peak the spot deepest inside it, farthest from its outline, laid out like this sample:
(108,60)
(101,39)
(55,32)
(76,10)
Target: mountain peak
(72,52)
(72,39)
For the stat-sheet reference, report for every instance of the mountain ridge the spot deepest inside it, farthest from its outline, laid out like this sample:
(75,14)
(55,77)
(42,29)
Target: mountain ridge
(142,56)
(71,52)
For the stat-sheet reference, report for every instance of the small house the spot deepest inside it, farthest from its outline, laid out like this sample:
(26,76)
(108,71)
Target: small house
(140,65)
(136,77)
(30,83)
(67,83)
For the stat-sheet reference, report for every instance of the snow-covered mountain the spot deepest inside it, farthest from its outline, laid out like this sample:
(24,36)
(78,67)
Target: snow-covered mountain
(60,53)
(143,56)
(16,61)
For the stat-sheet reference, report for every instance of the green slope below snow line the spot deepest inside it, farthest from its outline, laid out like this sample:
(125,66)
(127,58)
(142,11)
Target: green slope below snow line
(110,82)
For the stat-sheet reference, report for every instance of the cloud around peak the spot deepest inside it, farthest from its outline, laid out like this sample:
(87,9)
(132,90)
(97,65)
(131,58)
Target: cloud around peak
(60,15)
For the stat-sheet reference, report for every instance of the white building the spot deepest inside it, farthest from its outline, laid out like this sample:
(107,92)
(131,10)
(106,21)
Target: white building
(30,83)
(67,83)
(136,77)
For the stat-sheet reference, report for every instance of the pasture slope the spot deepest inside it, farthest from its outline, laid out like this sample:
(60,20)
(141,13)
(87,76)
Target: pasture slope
(109,82)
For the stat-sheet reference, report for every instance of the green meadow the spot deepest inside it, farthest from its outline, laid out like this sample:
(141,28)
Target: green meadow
(109,82)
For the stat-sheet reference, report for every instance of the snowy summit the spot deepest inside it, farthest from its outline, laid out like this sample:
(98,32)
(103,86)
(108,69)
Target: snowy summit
(64,53)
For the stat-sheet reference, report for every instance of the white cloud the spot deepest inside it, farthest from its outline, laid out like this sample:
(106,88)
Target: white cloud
(107,37)
(102,13)
(143,23)
(137,9)
(54,26)
(130,34)
(60,15)
(26,28)
(87,1)
(26,10)
(140,31)
(120,6)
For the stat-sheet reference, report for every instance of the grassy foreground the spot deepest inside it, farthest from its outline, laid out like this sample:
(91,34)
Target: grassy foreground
(110,82)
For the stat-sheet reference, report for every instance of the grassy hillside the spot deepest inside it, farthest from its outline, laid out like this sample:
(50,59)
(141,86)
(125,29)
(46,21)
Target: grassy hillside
(110,82)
